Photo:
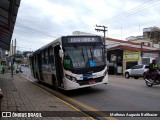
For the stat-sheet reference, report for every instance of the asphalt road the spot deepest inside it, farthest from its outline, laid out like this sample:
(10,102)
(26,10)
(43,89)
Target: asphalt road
(119,94)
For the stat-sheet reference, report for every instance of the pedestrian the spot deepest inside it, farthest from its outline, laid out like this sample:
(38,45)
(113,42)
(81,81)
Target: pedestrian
(115,68)
(3,68)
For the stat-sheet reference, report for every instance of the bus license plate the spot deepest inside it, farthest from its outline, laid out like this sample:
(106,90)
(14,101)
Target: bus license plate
(92,82)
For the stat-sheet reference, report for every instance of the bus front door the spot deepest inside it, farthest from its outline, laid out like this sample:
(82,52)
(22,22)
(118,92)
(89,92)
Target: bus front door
(40,67)
(59,68)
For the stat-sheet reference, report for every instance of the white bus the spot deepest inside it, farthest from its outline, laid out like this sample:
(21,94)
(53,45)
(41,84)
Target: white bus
(71,62)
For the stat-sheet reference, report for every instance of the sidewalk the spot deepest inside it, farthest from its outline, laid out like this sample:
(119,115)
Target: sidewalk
(24,97)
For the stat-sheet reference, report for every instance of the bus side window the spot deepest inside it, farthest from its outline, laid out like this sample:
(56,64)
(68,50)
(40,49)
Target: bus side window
(43,58)
(46,56)
(51,56)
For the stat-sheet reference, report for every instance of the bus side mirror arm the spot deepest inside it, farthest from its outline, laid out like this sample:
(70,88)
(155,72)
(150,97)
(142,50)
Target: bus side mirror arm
(61,54)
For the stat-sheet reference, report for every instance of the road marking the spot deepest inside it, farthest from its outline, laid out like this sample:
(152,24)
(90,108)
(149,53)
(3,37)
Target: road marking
(76,102)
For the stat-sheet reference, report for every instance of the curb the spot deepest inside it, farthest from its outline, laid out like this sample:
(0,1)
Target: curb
(60,97)
(72,103)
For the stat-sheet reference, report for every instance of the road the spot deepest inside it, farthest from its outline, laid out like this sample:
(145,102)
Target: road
(119,94)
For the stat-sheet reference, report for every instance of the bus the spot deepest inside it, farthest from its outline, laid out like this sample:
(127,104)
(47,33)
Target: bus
(71,62)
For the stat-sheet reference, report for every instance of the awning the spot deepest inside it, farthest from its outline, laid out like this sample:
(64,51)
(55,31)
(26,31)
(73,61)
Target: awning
(8,15)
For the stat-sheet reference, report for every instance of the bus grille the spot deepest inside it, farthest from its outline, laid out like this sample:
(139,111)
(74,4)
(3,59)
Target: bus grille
(87,82)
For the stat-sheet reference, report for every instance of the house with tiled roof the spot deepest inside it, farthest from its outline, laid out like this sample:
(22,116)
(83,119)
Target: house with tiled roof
(122,55)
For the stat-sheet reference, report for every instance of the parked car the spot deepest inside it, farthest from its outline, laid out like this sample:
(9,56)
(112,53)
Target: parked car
(136,71)
(18,68)
(22,64)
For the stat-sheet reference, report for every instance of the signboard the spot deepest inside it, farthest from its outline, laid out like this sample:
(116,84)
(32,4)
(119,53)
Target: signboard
(82,39)
(131,56)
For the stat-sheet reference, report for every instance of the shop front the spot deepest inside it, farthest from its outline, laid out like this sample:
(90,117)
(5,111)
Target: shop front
(115,58)
(120,60)
(130,59)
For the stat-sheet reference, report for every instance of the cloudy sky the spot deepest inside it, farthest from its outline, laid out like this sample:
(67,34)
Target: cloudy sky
(42,21)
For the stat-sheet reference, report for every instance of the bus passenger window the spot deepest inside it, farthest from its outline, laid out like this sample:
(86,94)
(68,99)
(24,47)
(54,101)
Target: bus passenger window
(46,56)
(51,56)
(43,58)
(51,59)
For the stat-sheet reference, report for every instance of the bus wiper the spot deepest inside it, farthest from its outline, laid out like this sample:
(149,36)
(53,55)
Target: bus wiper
(83,56)
(91,53)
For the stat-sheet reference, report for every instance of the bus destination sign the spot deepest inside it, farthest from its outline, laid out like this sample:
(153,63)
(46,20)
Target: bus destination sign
(83,39)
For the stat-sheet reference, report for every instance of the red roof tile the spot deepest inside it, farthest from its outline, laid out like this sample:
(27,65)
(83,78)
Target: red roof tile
(129,48)
(122,41)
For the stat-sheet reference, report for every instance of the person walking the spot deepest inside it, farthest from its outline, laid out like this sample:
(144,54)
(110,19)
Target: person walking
(3,68)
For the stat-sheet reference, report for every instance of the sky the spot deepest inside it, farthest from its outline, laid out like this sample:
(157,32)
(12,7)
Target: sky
(40,22)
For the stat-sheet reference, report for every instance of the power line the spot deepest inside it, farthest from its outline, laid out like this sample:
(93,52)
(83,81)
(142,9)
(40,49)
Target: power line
(132,11)
(136,29)
(26,27)
(151,23)
(135,10)
(39,35)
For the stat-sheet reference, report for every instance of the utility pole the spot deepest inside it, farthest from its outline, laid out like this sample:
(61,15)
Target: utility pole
(142,43)
(142,49)
(12,48)
(159,56)
(103,29)
(15,46)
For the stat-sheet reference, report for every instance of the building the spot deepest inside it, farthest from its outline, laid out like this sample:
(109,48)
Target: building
(11,50)
(153,33)
(151,37)
(122,55)
(2,55)
(80,33)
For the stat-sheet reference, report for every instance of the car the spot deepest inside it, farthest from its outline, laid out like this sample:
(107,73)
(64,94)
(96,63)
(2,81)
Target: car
(22,64)
(136,71)
(18,68)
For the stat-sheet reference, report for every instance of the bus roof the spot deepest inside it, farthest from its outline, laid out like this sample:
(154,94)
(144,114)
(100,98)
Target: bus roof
(58,41)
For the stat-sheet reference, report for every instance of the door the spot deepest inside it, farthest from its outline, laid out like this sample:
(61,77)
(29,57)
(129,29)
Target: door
(39,59)
(136,70)
(59,68)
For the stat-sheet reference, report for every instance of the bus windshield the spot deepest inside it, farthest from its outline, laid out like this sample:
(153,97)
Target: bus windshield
(83,56)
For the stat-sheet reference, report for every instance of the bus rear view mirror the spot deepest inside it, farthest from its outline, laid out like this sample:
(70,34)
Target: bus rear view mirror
(61,54)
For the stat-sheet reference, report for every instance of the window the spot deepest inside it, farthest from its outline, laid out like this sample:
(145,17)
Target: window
(137,67)
(83,56)
(45,57)
(51,56)
(43,60)
(147,67)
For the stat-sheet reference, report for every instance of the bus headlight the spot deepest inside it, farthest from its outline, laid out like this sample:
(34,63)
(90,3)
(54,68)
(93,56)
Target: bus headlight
(71,78)
(105,73)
